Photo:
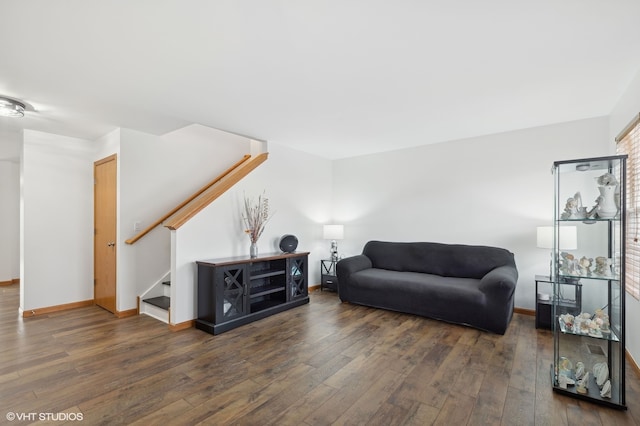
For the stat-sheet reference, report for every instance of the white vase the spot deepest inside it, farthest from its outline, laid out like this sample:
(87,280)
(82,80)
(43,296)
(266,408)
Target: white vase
(607,207)
(253,250)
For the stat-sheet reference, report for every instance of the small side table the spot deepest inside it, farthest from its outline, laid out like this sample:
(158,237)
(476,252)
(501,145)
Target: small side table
(564,305)
(329,279)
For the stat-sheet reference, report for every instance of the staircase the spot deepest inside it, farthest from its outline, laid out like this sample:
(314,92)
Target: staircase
(156,301)
(157,306)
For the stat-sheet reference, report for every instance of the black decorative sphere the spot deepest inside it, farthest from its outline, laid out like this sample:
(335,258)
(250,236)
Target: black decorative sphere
(288,243)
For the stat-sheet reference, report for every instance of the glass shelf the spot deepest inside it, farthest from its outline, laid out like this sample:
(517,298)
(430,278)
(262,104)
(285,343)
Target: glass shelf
(610,335)
(589,221)
(588,277)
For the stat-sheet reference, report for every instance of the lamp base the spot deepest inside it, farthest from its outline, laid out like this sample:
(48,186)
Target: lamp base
(334,250)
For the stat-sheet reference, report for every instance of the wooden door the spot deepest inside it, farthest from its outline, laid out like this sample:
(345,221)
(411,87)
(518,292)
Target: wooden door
(104,240)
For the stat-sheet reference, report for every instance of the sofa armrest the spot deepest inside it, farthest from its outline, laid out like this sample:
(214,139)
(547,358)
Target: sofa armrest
(500,283)
(345,268)
(349,265)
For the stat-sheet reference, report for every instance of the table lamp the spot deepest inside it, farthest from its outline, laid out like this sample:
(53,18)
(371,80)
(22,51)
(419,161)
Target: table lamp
(333,233)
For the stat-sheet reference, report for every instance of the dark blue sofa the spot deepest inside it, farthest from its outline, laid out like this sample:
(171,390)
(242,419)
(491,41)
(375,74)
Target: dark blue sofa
(470,285)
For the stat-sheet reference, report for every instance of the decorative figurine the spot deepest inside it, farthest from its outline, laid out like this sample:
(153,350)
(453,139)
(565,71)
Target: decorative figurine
(606,204)
(603,266)
(574,209)
(585,266)
(568,320)
(607,179)
(583,384)
(565,381)
(569,264)
(602,319)
(601,373)
(565,367)
(606,390)
(580,370)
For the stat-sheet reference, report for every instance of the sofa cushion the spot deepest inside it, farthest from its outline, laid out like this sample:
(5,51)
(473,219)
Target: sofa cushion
(425,288)
(446,260)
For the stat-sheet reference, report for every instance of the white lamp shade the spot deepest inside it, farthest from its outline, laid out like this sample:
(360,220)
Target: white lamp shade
(568,237)
(333,232)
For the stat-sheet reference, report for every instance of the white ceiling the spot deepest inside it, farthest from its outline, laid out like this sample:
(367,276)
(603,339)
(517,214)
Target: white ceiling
(336,78)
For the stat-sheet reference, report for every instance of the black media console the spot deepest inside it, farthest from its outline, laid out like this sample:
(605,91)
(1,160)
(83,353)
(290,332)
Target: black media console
(238,290)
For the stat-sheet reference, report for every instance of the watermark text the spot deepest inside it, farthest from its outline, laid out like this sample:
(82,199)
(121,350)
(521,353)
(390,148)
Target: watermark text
(50,417)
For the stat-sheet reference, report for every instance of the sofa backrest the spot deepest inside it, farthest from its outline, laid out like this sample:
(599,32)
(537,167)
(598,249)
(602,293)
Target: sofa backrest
(447,260)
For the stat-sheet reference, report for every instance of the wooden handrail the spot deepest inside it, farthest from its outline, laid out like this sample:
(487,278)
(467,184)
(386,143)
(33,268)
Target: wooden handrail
(188,200)
(214,192)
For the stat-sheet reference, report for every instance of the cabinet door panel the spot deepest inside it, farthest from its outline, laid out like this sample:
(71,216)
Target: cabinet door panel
(298,286)
(231,292)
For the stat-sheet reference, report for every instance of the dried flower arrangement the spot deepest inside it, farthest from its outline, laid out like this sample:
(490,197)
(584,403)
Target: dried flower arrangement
(256,216)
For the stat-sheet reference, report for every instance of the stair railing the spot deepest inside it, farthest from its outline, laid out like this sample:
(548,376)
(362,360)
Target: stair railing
(214,191)
(222,178)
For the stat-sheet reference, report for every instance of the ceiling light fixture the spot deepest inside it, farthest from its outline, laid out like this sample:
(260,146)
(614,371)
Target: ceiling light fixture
(11,108)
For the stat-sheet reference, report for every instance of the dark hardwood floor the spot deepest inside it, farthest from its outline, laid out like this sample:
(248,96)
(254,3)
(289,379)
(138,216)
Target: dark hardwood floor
(322,363)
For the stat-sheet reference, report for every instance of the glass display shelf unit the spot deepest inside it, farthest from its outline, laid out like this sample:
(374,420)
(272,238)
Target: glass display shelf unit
(589,346)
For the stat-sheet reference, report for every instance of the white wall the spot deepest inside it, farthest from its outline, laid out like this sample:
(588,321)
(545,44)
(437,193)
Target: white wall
(627,108)
(298,186)
(156,174)
(490,190)
(56,220)
(107,145)
(9,220)
(10,147)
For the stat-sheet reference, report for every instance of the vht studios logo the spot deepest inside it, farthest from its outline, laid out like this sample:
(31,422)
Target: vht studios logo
(52,417)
